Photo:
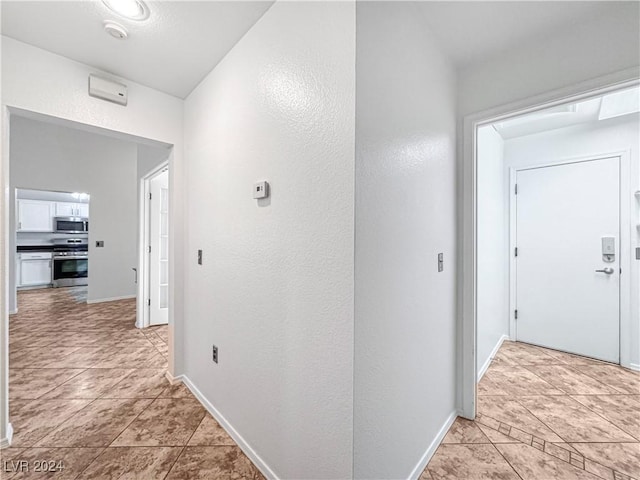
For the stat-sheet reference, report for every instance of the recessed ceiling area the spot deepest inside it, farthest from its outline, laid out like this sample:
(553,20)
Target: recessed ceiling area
(473,31)
(172,50)
(611,105)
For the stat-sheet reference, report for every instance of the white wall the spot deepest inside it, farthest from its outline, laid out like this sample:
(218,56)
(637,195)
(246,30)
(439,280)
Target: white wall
(35,80)
(405,215)
(607,136)
(493,246)
(275,291)
(51,157)
(579,53)
(149,158)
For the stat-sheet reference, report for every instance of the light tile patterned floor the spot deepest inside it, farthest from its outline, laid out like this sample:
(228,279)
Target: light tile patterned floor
(87,388)
(546,415)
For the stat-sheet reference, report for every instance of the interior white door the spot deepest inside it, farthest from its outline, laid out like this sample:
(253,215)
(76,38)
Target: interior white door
(565,299)
(159,252)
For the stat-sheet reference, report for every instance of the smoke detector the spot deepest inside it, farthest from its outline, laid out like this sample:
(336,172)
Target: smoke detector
(115,30)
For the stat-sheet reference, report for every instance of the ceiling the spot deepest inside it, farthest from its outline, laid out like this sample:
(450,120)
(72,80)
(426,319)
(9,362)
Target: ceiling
(182,41)
(171,51)
(472,31)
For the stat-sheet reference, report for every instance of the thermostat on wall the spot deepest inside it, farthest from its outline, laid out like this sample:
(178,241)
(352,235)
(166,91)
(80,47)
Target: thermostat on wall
(261,190)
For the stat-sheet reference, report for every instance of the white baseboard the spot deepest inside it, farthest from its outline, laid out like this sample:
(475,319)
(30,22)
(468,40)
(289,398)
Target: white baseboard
(6,441)
(634,366)
(173,380)
(485,367)
(112,299)
(244,446)
(419,468)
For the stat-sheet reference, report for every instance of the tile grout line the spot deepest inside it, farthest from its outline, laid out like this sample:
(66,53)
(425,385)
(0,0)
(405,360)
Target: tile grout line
(545,442)
(82,370)
(601,382)
(90,463)
(60,424)
(185,446)
(505,459)
(606,420)
(568,396)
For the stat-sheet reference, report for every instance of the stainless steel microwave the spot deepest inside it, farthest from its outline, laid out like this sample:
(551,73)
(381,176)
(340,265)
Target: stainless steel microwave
(71,224)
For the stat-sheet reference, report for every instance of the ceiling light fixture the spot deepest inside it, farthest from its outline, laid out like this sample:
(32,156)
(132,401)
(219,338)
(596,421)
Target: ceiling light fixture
(620,103)
(131,9)
(115,30)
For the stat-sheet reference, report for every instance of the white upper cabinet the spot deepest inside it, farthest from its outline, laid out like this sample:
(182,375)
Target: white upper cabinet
(83,209)
(65,209)
(35,216)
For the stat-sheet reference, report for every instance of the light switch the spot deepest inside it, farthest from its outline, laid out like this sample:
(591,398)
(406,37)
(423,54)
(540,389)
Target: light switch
(261,190)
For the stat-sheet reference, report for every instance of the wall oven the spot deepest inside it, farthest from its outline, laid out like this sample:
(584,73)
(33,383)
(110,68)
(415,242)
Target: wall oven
(70,262)
(71,224)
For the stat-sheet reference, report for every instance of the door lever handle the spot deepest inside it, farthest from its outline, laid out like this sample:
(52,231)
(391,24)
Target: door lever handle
(608,271)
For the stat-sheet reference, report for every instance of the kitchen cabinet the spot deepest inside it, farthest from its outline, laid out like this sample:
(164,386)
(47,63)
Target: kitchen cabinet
(33,269)
(66,209)
(35,216)
(83,210)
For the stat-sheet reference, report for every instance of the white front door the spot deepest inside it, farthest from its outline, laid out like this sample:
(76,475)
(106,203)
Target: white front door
(565,298)
(159,251)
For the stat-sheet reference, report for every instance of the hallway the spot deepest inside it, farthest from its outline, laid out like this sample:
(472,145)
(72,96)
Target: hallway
(88,392)
(544,414)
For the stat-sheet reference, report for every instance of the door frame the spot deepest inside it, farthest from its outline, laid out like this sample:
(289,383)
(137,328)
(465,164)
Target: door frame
(143,319)
(7,112)
(467,211)
(624,241)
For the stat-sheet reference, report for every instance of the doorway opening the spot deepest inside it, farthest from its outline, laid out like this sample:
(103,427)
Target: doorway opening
(50,232)
(90,337)
(553,268)
(153,298)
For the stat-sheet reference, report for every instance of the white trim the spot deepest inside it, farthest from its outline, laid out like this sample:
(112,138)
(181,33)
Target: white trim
(143,318)
(140,303)
(634,366)
(624,241)
(242,443)
(493,354)
(467,282)
(173,380)
(13,312)
(513,305)
(112,299)
(6,442)
(431,449)
(6,259)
